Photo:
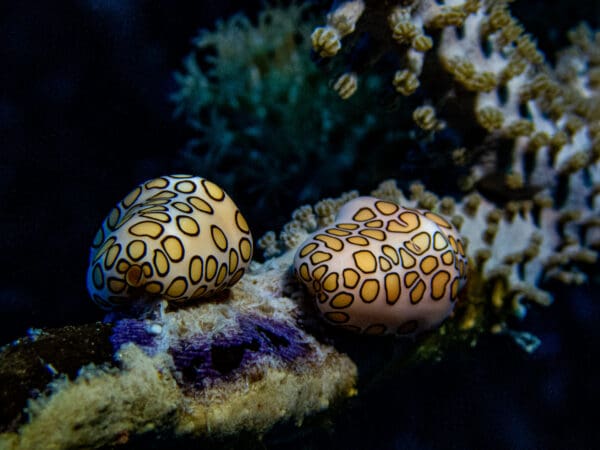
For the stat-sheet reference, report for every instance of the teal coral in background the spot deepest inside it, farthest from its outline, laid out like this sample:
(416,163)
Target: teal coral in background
(262,110)
(268,125)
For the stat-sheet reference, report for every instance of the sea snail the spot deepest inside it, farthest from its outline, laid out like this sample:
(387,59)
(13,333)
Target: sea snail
(383,269)
(175,237)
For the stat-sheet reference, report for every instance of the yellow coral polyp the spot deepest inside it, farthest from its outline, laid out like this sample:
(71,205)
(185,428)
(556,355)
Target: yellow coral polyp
(490,118)
(425,118)
(405,82)
(448,16)
(527,48)
(422,43)
(326,41)
(516,66)
(521,127)
(346,85)
(404,32)
(510,33)
(383,269)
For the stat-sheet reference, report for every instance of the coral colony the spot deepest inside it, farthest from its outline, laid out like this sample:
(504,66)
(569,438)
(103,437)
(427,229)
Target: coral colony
(213,334)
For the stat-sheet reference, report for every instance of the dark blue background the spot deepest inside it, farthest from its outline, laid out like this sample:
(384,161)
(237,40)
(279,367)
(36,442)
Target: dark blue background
(85,115)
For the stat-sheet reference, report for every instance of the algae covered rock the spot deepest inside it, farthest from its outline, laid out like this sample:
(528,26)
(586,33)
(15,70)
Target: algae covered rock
(239,363)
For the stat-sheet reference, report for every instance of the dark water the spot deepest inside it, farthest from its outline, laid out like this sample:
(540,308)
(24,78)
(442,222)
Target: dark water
(85,116)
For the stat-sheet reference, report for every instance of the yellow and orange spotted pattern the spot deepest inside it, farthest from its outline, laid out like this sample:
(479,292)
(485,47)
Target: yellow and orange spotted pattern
(175,237)
(383,269)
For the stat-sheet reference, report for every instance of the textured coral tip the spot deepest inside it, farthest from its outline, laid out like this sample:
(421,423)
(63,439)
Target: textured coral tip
(326,41)
(383,269)
(174,237)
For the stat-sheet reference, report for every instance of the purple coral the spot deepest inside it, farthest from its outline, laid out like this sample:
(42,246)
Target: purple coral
(201,358)
(209,357)
(135,331)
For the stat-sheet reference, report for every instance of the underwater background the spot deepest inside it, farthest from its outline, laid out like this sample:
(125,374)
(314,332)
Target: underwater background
(89,108)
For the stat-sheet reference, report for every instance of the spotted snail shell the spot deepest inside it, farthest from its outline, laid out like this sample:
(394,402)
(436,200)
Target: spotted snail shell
(383,269)
(176,237)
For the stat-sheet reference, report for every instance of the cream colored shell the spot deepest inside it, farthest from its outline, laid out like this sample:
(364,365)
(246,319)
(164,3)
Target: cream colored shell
(176,237)
(383,269)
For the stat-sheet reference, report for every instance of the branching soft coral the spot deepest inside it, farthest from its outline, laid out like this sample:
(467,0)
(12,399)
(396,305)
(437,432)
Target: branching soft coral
(469,66)
(265,116)
(257,100)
